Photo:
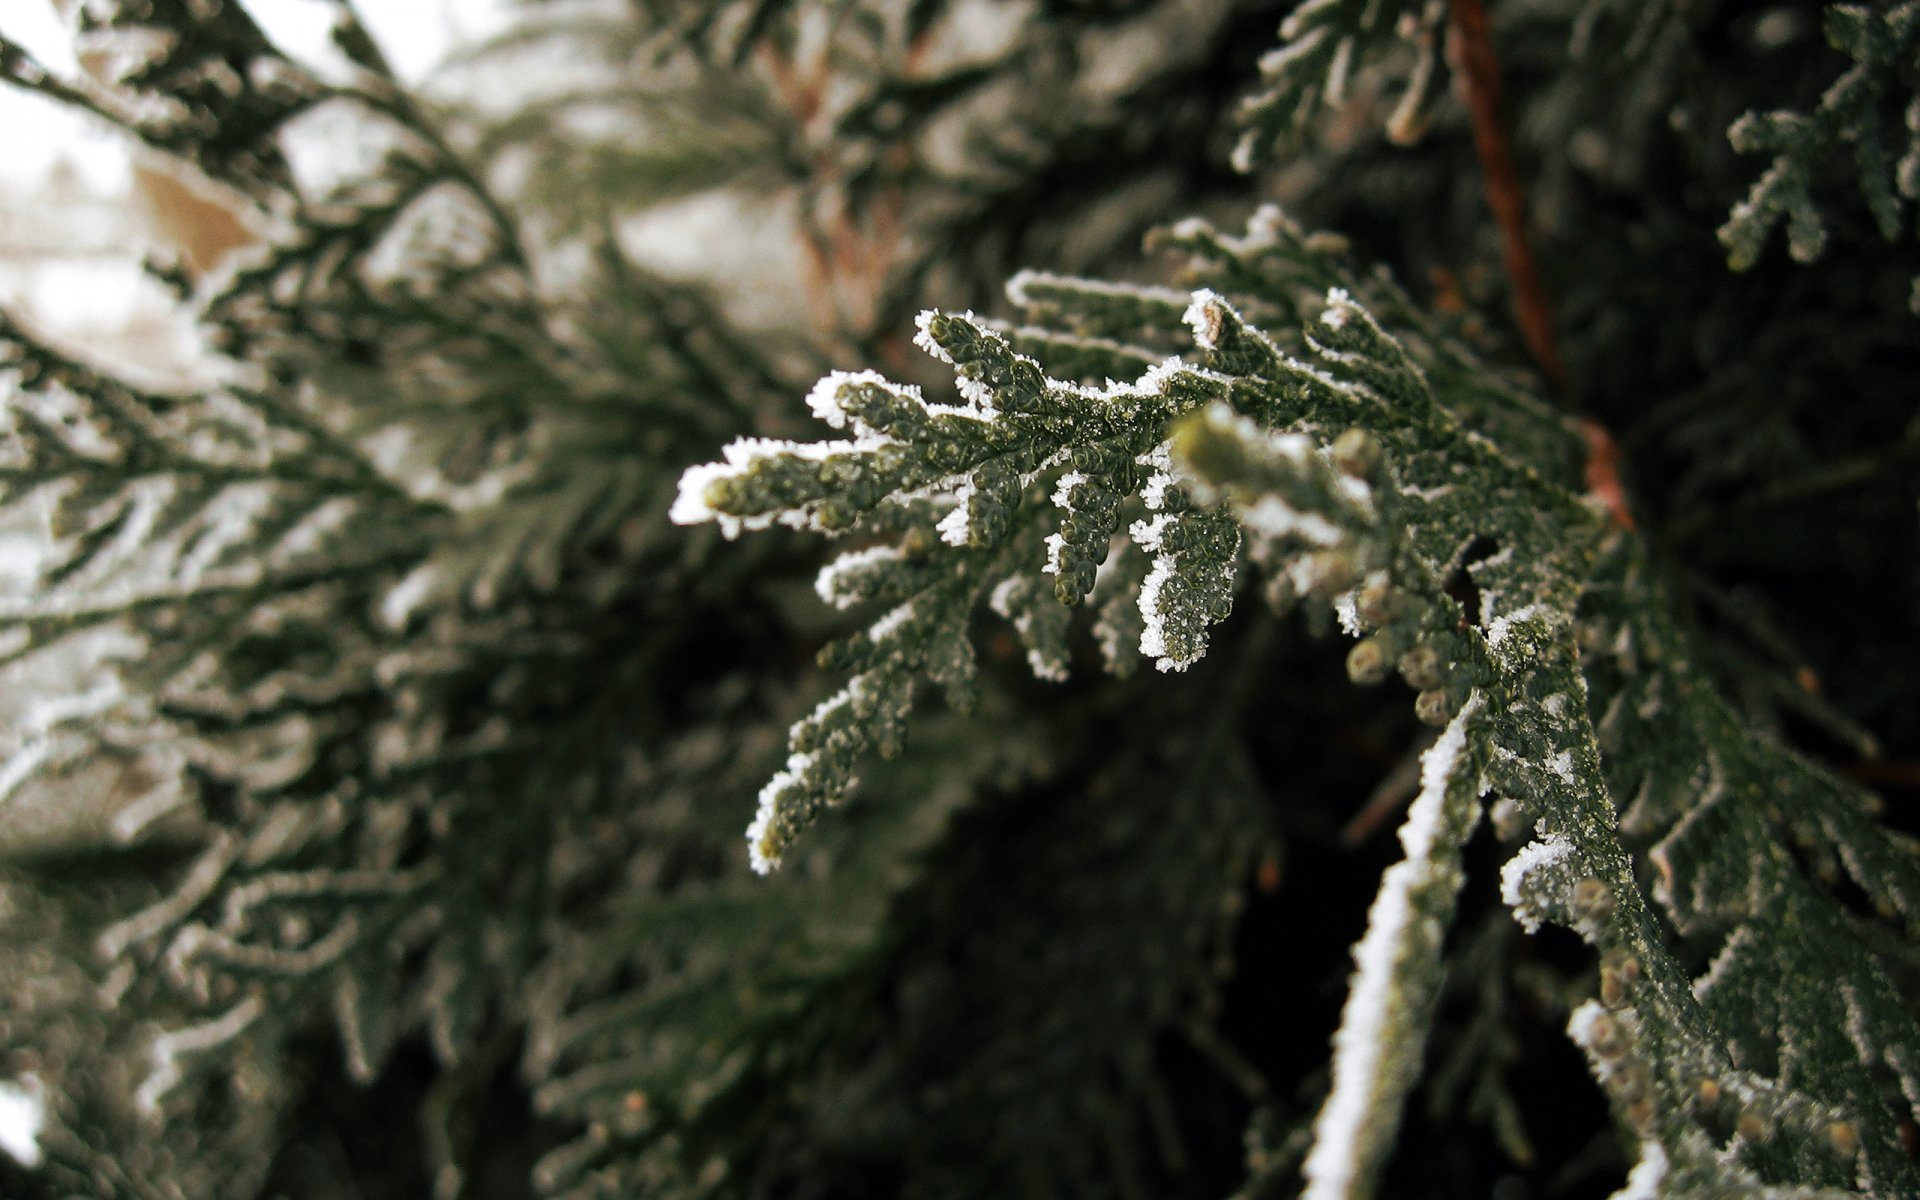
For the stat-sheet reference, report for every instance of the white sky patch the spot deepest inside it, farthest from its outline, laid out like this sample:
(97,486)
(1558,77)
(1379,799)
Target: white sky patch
(23,1113)
(414,34)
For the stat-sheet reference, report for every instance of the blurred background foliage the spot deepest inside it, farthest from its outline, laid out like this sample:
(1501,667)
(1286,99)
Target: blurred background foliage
(413,792)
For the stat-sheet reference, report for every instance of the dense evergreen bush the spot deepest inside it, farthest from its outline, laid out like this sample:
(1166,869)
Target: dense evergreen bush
(386,702)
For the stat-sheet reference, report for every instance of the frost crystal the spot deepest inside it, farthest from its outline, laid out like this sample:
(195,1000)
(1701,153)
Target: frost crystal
(1516,878)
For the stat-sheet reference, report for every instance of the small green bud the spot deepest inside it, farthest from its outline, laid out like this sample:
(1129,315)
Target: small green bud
(1377,603)
(1420,667)
(1367,661)
(1509,819)
(1356,453)
(1076,580)
(1593,901)
(1753,1125)
(1205,450)
(1618,972)
(1606,1037)
(1280,594)
(1330,572)
(1844,1138)
(834,515)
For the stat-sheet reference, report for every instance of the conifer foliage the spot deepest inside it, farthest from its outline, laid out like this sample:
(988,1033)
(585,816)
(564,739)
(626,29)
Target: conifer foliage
(393,693)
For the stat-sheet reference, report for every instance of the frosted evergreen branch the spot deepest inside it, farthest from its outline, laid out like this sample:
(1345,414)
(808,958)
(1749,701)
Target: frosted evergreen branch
(1324,45)
(1883,43)
(1383,543)
(1383,1028)
(1540,751)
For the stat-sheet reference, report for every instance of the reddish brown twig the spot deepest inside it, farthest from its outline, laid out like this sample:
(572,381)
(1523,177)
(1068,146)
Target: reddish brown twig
(1892,774)
(1477,72)
(1603,473)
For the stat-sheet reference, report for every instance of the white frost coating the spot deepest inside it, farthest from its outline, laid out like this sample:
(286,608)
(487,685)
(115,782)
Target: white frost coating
(1043,670)
(1513,877)
(1555,705)
(886,625)
(1020,288)
(1736,946)
(1580,1024)
(957,524)
(830,584)
(1501,628)
(1158,460)
(1561,764)
(1356,492)
(796,768)
(1437,766)
(1347,609)
(1206,316)
(1241,159)
(1001,600)
(403,599)
(19,768)
(168,1048)
(1334,1168)
(1154,494)
(691,507)
(1339,309)
(824,400)
(1273,517)
(978,395)
(1153,634)
(1056,546)
(1643,1182)
(1063,489)
(23,1113)
(1147,532)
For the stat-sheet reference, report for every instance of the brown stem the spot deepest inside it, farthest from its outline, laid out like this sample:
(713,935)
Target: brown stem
(1477,70)
(1894,774)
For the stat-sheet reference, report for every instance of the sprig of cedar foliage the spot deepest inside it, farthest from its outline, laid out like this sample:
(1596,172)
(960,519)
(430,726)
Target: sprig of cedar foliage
(1350,476)
(1863,108)
(393,578)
